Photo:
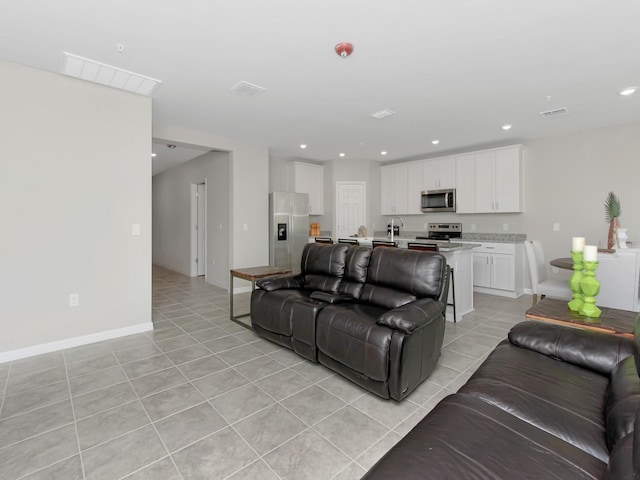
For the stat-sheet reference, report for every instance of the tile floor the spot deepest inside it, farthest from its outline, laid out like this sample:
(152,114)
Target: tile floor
(201,397)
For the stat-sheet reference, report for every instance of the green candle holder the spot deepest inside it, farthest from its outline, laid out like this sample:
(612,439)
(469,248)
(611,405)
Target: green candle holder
(574,282)
(590,286)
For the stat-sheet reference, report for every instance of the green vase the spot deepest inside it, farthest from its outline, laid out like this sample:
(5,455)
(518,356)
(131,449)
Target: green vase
(574,282)
(590,286)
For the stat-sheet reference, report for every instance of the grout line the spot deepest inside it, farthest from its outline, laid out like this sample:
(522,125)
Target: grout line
(75,422)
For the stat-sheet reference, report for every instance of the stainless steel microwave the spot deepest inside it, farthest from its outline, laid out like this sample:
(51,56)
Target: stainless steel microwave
(439,200)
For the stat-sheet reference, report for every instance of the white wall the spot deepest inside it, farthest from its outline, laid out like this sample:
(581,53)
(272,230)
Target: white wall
(249,193)
(172,216)
(75,174)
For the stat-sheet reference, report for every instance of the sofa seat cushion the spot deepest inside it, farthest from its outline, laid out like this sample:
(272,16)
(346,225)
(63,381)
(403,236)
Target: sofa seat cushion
(349,334)
(272,310)
(466,438)
(560,398)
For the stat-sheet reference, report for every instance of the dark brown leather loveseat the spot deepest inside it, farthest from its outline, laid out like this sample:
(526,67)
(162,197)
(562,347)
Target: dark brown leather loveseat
(374,316)
(550,402)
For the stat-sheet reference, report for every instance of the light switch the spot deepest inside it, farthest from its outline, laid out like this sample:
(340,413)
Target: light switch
(245,226)
(556,227)
(505,227)
(135,229)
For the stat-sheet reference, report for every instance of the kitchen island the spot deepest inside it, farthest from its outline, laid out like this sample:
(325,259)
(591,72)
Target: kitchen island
(459,257)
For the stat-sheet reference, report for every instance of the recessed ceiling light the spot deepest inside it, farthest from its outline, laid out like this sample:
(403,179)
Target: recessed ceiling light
(153,154)
(383,113)
(628,91)
(506,127)
(342,154)
(435,142)
(383,152)
(303,146)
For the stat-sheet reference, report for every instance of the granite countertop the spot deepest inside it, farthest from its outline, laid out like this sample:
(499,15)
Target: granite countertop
(466,237)
(443,246)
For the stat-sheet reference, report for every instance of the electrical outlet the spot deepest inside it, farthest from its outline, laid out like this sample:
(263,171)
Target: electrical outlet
(135,229)
(556,227)
(554,269)
(426,226)
(74,299)
(505,227)
(473,227)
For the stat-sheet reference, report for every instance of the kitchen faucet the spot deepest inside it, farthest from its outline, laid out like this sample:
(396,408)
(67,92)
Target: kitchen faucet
(401,224)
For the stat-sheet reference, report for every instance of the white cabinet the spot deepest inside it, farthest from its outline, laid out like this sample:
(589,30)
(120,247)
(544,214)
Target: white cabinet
(400,188)
(498,269)
(498,181)
(465,181)
(309,178)
(439,173)
(490,181)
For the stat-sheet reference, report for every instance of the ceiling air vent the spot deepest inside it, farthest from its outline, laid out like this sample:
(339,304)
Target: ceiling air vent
(556,112)
(98,72)
(382,114)
(246,88)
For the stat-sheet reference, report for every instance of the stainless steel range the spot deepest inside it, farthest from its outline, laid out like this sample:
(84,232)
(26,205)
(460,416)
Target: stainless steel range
(442,231)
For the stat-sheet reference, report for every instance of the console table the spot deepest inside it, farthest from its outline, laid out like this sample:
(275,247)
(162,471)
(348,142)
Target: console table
(612,321)
(250,274)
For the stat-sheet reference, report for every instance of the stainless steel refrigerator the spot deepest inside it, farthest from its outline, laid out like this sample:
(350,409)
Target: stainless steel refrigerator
(288,228)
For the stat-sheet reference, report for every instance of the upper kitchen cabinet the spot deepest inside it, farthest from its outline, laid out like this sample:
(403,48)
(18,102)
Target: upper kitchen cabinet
(498,180)
(401,185)
(465,181)
(309,178)
(439,173)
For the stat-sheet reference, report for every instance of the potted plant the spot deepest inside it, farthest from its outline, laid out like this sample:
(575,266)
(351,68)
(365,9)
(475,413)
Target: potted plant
(612,212)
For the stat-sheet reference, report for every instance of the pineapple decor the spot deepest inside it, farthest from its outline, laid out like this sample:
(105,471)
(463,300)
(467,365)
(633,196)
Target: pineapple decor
(612,212)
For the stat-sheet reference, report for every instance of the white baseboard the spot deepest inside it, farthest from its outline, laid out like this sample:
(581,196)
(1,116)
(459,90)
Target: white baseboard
(73,342)
(241,290)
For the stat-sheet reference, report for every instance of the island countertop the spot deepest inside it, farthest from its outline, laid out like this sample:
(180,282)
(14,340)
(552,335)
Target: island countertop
(443,246)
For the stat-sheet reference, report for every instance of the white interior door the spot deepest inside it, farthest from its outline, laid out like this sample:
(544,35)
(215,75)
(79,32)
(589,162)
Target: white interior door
(351,208)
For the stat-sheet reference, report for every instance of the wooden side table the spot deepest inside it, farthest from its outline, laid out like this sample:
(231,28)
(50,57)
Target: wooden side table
(250,274)
(612,321)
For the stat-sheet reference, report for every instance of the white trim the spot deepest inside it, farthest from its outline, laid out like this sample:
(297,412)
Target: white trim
(241,290)
(73,342)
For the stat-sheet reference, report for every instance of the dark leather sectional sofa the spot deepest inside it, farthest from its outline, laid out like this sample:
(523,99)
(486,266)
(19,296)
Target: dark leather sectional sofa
(550,402)
(374,316)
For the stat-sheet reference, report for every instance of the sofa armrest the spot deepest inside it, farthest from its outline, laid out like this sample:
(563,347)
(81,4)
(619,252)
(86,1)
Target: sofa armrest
(279,283)
(412,316)
(596,351)
(331,298)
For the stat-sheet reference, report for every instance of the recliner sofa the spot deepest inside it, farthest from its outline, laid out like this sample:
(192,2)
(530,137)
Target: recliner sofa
(548,402)
(374,316)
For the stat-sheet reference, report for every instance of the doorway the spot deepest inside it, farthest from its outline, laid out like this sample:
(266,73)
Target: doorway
(351,207)
(198,229)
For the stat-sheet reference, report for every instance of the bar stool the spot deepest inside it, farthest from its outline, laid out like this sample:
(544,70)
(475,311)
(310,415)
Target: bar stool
(383,243)
(433,247)
(324,240)
(350,241)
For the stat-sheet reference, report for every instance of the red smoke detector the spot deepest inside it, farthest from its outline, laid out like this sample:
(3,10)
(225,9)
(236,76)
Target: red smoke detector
(344,49)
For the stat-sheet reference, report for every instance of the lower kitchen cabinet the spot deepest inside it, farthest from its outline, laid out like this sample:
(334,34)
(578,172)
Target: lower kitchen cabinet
(498,269)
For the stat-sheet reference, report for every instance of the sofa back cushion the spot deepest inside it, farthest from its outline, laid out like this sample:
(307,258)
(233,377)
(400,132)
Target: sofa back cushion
(355,271)
(322,266)
(397,276)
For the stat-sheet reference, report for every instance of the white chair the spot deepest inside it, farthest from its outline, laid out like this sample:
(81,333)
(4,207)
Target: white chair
(540,285)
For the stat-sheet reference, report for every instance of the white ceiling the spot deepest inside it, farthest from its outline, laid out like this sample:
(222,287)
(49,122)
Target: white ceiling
(455,70)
